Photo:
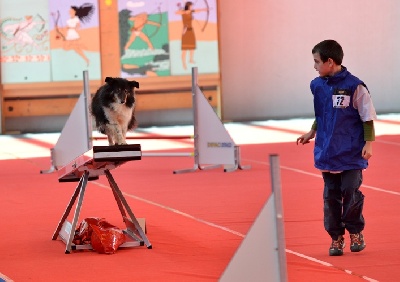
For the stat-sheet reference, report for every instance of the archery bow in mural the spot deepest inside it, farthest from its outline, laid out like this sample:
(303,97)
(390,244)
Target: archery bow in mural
(158,22)
(207,15)
(56,18)
(23,34)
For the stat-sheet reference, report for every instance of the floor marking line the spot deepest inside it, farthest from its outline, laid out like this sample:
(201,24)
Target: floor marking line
(5,278)
(319,176)
(230,230)
(173,210)
(330,265)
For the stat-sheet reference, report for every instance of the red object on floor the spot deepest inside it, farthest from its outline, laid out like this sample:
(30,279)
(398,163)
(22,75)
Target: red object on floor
(104,237)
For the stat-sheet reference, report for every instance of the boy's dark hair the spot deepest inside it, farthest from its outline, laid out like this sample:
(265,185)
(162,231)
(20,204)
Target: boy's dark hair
(329,49)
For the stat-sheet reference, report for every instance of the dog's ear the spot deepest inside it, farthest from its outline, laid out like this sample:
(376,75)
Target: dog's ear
(108,79)
(134,83)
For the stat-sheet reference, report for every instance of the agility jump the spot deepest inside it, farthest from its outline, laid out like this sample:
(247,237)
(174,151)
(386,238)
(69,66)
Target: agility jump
(213,146)
(76,160)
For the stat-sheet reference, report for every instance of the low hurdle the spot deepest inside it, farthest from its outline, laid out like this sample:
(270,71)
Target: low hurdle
(83,169)
(213,146)
(77,160)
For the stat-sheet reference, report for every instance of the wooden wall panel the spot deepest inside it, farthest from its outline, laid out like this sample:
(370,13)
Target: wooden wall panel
(109,39)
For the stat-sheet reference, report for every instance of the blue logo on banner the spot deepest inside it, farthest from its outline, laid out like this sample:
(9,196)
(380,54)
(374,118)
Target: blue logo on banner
(219,145)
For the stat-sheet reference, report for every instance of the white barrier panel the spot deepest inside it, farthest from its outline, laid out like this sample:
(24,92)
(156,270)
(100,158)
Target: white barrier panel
(76,136)
(215,145)
(262,254)
(74,140)
(257,256)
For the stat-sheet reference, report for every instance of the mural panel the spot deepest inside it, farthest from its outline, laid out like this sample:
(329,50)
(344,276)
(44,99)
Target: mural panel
(74,39)
(193,36)
(24,44)
(168,38)
(143,33)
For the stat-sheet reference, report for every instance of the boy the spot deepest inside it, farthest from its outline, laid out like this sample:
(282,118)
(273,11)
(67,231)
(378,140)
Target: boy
(344,132)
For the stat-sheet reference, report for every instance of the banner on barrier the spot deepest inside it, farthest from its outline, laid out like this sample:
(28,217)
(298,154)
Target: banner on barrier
(75,138)
(215,145)
(256,259)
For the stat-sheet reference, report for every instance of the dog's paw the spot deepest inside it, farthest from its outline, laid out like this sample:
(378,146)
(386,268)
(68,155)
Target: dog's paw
(119,144)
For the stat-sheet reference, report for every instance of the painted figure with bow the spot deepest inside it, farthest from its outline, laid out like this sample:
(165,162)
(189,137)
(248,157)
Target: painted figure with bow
(23,34)
(70,33)
(188,34)
(139,21)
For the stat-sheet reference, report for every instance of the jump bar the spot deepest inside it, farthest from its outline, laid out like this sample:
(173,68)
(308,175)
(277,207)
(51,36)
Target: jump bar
(104,158)
(151,137)
(117,153)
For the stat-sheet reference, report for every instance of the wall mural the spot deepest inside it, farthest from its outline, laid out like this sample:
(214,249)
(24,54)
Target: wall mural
(168,38)
(193,36)
(58,40)
(74,39)
(143,33)
(24,42)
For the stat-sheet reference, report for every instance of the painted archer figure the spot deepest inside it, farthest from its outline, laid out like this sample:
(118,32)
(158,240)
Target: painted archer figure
(188,35)
(23,33)
(138,22)
(72,38)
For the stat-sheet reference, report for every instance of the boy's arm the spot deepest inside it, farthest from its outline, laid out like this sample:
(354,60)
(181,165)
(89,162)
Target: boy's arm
(369,136)
(305,138)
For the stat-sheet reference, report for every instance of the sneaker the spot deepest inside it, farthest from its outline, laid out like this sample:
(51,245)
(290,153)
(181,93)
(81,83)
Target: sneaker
(337,247)
(357,242)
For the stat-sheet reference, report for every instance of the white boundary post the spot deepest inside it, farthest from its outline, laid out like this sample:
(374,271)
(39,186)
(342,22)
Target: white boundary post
(213,146)
(280,229)
(88,99)
(196,165)
(261,255)
(76,135)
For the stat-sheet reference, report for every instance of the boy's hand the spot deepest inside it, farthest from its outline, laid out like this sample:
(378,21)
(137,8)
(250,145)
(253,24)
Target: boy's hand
(305,138)
(367,150)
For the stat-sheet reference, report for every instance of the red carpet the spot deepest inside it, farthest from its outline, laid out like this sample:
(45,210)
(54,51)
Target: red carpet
(196,221)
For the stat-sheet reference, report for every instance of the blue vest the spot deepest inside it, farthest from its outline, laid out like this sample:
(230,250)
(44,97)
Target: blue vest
(340,134)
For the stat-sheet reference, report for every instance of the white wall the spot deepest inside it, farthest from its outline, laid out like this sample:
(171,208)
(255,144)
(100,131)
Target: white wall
(266,60)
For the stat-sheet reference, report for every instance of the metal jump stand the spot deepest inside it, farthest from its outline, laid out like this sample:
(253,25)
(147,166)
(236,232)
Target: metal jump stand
(84,169)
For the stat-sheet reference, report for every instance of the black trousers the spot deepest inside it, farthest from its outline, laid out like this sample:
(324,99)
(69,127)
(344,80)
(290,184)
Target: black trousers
(343,203)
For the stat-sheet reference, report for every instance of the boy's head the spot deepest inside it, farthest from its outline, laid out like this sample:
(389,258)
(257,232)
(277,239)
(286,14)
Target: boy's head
(328,57)
(329,49)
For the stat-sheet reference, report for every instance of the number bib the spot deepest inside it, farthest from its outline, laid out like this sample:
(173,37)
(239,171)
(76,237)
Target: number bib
(341,98)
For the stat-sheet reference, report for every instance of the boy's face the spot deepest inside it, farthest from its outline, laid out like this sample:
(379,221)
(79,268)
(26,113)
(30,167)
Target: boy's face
(324,69)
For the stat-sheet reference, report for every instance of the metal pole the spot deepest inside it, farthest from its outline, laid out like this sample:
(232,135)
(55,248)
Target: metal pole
(195,123)
(280,230)
(195,115)
(88,98)
(167,154)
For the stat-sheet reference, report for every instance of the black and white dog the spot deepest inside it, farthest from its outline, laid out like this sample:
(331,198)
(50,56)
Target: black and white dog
(113,108)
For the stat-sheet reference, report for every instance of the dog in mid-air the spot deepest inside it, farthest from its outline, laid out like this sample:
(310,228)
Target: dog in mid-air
(113,108)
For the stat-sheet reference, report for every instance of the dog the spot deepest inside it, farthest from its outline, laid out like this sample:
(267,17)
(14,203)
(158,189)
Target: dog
(113,108)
